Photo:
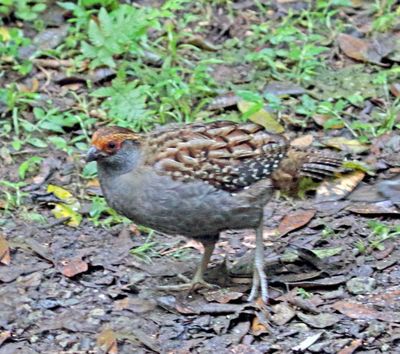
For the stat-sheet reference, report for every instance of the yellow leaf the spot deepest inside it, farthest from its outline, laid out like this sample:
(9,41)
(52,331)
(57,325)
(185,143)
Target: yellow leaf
(262,117)
(61,193)
(4,34)
(347,145)
(62,211)
(69,208)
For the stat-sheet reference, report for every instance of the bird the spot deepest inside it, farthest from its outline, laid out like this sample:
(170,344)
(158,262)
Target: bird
(200,179)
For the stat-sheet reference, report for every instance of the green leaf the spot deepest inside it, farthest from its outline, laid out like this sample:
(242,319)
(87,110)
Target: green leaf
(327,252)
(95,34)
(37,142)
(105,23)
(90,170)
(261,116)
(27,165)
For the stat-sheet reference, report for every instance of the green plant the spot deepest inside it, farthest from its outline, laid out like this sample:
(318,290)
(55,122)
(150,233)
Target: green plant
(101,214)
(26,10)
(386,15)
(28,166)
(117,32)
(125,102)
(361,246)
(15,101)
(145,251)
(304,293)
(13,194)
(381,233)
(11,40)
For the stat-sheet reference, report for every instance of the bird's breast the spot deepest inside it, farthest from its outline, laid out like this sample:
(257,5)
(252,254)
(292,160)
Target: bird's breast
(192,208)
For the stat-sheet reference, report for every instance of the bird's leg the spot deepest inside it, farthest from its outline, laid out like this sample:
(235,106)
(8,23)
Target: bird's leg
(259,277)
(198,278)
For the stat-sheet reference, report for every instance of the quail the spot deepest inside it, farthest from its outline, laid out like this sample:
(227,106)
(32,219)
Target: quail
(200,179)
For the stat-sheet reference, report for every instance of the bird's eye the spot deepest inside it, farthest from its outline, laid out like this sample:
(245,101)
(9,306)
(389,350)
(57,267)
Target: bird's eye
(111,145)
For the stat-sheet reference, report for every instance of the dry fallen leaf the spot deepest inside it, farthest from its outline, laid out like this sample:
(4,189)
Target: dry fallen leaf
(364,312)
(107,341)
(308,342)
(4,336)
(395,89)
(302,141)
(73,267)
(4,251)
(135,304)
(346,145)
(257,327)
(338,188)
(349,349)
(385,207)
(353,47)
(222,296)
(294,221)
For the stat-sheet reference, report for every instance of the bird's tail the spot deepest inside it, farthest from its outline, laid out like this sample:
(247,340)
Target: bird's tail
(320,166)
(298,164)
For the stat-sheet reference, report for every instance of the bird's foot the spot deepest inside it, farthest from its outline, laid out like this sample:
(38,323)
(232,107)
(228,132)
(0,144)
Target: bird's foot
(195,284)
(259,283)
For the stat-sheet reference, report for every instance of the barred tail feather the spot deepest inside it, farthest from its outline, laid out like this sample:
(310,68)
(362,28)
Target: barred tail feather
(320,167)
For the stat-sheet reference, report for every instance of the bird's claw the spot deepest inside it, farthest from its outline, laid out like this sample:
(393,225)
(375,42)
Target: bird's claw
(191,285)
(259,284)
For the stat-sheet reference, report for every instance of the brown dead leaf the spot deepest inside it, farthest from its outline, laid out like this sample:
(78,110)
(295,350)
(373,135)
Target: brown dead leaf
(381,208)
(321,320)
(388,298)
(136,304)
(107,341)
(4,336)
(283,313)
(222,296)
(4,251)
(296,220)
(349,349)
(302,141)
(34,86)
(371,51)
(257,327)
(72,267)
(338,188)
(364,312)
(395,89)
(353,47)
(93,183)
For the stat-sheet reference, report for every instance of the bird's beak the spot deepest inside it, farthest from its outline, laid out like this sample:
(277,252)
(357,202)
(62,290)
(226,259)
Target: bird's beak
(93,154)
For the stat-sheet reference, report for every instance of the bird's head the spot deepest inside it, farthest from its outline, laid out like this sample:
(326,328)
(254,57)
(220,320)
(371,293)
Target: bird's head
(112,144)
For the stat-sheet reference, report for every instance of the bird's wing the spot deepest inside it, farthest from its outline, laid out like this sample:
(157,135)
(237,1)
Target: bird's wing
(225,154)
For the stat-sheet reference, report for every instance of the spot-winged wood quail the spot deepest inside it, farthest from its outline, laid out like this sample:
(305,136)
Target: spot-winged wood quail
(200,179)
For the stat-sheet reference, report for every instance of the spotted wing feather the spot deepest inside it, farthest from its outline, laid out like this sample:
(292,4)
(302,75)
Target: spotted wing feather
(225,154)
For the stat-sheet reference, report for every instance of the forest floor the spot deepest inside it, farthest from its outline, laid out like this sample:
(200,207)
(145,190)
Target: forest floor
(75,277)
